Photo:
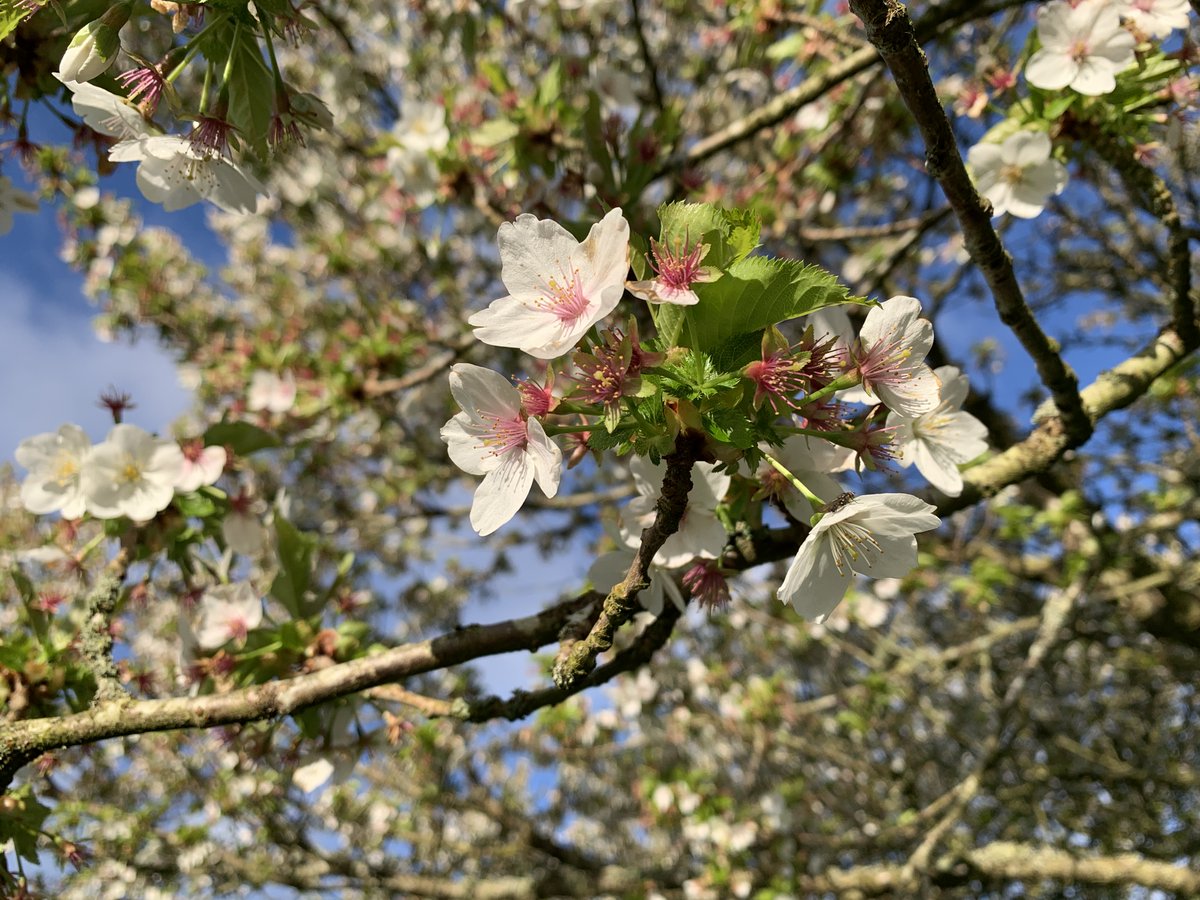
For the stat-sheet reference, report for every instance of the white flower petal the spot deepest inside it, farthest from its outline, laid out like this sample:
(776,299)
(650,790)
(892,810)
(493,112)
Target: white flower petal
(501,493)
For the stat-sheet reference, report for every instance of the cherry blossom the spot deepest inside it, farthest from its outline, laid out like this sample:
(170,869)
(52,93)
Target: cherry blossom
(890,357)
(493,437)
(107,113)
(559,288)
(700,533)
(1156,18)
(941,440)
(227,613)
(422,128)
(1083,47)
(132,474)
(201,466)
(871,536)
(1017,175)
(175,172)
(676,270)
(54,461)
(271,392)
(94,47)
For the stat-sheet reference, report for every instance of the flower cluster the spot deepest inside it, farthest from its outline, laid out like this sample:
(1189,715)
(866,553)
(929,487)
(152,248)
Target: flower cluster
(174,171)
(1085,50)
(798,414)
(131,473)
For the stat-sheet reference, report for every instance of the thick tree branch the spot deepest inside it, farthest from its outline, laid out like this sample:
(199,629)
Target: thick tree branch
(1010,861)
(22,742)
(891,31)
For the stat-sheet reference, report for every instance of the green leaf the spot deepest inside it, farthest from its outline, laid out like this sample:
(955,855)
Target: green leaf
(755,293)
(195,505)
(242,437)
(730,233)
(296,551)
(22,822)
(11,15)
(251,92)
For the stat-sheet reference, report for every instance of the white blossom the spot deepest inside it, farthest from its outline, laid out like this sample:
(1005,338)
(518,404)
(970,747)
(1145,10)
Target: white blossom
(1156,18)
(201,466)
(107,113)
(227,613)
(558,287)
(941,440)
(1083,47)
(132,474)
(422,128)
(492,437)
(700,532)
(871,536)
(1018,175)
(94,47)
(175,173)
(271,392)
(890,357)
(54,461)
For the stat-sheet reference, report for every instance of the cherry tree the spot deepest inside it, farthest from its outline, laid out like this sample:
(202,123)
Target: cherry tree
(851,350)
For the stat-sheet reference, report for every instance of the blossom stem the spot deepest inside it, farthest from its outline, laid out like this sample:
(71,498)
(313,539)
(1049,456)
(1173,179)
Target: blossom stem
(568,429)
(90,546)
(849,380)
(817,502)
(192,47)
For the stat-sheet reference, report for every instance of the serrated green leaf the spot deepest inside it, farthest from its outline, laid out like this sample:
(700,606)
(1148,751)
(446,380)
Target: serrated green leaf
(242,437)
(755,293)
(251,92)
(296,551)
(737,351)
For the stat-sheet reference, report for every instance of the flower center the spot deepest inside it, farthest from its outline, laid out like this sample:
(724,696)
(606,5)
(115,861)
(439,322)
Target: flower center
(884,363)
(1011,173)
(849,540)
(236,626)
(65,468)
(504,433)
(131,472)
(675,268)
(1080,50)
(565,299)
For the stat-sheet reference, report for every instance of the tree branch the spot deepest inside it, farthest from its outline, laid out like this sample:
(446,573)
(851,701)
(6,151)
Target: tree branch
(891,30)
(621,602)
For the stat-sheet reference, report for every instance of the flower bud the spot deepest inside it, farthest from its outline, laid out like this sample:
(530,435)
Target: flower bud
(95,47)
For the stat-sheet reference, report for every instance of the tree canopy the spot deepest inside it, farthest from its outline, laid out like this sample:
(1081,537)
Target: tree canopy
(640,449)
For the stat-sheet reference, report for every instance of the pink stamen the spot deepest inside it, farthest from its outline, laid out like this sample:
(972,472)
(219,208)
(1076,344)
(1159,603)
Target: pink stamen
(676,269)
(566,300)
(884,363)
(237,628)
(505,433)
